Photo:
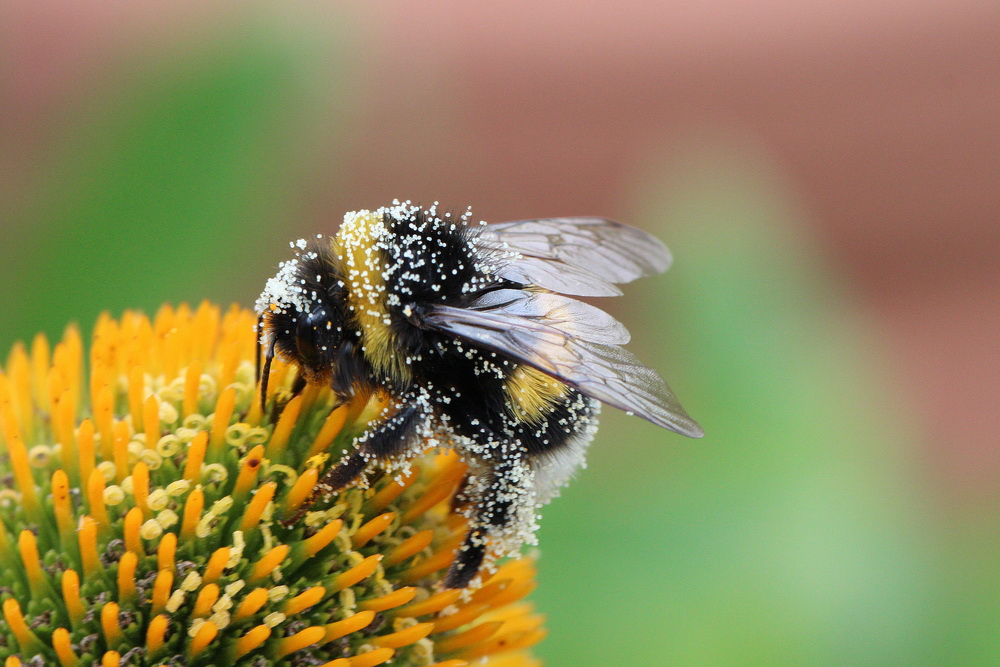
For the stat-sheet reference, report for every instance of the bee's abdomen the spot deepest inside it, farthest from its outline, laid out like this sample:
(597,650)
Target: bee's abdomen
(557,444)
(567,416)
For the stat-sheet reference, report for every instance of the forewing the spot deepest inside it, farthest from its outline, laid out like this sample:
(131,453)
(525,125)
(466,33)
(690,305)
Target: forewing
(580,256)
(576,318)
(556,275)
(605,372)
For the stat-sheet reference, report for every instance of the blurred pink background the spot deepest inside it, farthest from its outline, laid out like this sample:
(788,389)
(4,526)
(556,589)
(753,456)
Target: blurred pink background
(884,117)
(880,121)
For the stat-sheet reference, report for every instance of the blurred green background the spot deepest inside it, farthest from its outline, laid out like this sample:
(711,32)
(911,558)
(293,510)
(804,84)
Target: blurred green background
(829,325)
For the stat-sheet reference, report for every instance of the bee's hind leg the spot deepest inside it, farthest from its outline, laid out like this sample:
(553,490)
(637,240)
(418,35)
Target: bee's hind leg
(462,496)
(503,517)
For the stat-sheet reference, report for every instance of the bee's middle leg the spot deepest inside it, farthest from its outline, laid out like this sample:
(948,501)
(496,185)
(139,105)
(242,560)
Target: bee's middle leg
(385,440)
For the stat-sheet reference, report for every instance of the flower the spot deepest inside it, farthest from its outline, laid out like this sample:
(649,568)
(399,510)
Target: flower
(142,511)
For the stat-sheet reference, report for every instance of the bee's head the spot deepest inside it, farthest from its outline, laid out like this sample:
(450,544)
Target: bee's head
(300,315)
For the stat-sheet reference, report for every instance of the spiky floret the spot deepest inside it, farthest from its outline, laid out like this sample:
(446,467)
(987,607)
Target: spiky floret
(140,519)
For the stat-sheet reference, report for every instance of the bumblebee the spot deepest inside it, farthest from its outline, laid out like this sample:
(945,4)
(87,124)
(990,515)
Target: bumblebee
(474,334)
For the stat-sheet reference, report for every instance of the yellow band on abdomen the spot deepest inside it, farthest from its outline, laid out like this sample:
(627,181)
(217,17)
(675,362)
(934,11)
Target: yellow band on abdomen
(532,393)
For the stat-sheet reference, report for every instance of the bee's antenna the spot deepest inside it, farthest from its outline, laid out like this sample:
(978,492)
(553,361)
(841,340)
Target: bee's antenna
(259,329)
(265,374)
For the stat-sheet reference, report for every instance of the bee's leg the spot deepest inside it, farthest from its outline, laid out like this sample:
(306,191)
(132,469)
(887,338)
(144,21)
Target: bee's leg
(385,440)
(468,560)
(499,513)
(462,496)
(298,385)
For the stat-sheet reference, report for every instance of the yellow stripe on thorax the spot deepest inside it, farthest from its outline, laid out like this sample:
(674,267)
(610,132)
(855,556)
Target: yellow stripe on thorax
(357,247)
(533,393)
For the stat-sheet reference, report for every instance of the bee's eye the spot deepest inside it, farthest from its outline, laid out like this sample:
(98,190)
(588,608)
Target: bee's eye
(305,340)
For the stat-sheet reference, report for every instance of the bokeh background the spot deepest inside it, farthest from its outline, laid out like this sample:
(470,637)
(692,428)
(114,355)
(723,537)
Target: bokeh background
(826,174)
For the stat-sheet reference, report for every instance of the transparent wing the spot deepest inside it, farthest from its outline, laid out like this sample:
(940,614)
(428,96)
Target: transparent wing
(557,276)
(568,315)
(579,256)
(605,372)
